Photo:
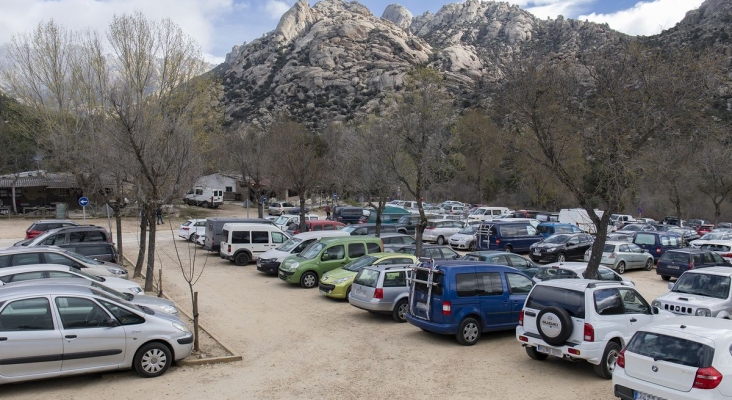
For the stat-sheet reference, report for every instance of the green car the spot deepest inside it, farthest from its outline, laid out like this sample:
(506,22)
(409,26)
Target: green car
(325,255)
(337,283)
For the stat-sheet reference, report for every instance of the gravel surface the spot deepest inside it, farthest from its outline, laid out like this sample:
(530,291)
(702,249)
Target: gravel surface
(298,344)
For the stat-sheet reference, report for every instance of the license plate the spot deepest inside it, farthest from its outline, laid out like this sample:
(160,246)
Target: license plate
(644,396)
(549,350)
(673,267)
(282,276)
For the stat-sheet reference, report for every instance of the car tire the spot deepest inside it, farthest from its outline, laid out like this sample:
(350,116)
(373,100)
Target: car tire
(152,360)
(534,354)
(206,205)
(241,259)
(561,257)
(192,237)
(609,358)
(621,267)
(471,246)
(469,332)
(348,292)
(309,280)
(440,240)
(649,264)
(665,277)
(508,249)
(400,311)
(554,325)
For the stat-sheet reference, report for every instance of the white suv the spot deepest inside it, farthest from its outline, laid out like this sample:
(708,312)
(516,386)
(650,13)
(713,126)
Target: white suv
(581,319)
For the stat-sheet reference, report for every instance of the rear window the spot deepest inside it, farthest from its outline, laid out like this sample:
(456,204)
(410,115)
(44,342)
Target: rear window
(609,248)
(645,238)
(367,277)
(422,287)
(547,296)
(547,273)
(672,256)
(672,349)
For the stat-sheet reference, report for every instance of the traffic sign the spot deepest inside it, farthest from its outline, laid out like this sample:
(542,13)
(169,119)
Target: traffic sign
(335,195)
(640,210)
(83,201)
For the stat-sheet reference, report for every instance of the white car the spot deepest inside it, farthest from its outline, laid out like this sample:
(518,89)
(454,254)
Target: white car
(41,271)
(284,220)
(438,231)
(464,239)
(684,358)
(575,270)
(703,292)
(581,319)
(721,247)
(710,236)
(189,229)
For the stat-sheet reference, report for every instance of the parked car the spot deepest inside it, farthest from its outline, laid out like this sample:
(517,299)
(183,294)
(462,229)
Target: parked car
(581,319)
(243,242)
(49,271)
(547,229)
(284,220)
(214,226)
(68,235)
(466,298)
(631,229)
(464,239)
(508,235)
(204,197)
(269,261)
(673,220)
(43,225)
(725,225)
(337,283)
(621,256)
(673,263)
(395,241)
(278,208)
(348,215)
(684,358)
(710,236)
(687,234)
(561,247)
(619,237)
(17,256)
(315,226)
(704,228)
(575,270)
(522,264)
(36,318)
(368,229)
(721,247)
(700,292)
(695,223)
(433,251)
(407,224)
(439,231)
(324,255)
(390,215)
(192,228)
(487,213)
(382,289)
(657,243)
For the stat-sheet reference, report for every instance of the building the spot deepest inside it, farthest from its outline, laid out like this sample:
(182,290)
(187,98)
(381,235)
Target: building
(30,190)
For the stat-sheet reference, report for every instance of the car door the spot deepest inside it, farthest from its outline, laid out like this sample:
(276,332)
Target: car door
(572,247)
(637,310)
(260,243)
(495,309)
(332,257)
(632,254)
(449,254)
(609,305)
(88,340)
(26,259)
(519,287)
(29,342)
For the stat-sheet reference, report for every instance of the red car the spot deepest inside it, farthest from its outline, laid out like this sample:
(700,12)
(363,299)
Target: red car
(704,228)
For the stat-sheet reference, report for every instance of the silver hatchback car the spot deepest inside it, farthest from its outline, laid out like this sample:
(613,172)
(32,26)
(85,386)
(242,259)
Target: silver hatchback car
(382,289)
(54,330)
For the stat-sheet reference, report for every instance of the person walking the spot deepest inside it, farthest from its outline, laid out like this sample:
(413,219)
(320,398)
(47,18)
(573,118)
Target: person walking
(159,213)
(327,211)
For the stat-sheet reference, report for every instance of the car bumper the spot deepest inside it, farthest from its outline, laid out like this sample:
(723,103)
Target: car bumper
(289,276)
(543,257)
(336,291)
(460,245)
(182,346)
(589,351)
(624,387)
(268,267)
(371,305)
(445,329)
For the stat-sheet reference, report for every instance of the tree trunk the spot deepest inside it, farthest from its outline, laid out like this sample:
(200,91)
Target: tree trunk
(150,273)
(599,244)
(195,319)
(143,242)
(118,222)
(419,232)
(301,195)
(717,210)
(260,207)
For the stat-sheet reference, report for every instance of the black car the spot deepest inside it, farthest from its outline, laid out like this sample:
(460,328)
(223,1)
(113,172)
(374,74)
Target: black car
(347,215)
(675,262)
(433,251)
(504,258)
(561,247)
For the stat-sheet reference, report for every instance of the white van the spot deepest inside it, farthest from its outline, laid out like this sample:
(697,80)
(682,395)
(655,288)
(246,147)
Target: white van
(284,220)
(204,197)
(488,213)
(243,242)
(269,261)
(579,218)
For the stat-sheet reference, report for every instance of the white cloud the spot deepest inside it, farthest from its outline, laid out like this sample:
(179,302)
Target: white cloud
(552,8)
(275,8)
(646,18)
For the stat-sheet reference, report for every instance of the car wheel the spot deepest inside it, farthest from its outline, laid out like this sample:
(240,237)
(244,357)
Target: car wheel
(508,249)
(192,237)
(241,259)
(206,204)
(534,354)
(607,363)
(561,257)
(471,246)
(621,267)
(309,280)
(665,277)
(469,332)
(649,264)
(554,325)
(440,240)
(152,360)
(400,311)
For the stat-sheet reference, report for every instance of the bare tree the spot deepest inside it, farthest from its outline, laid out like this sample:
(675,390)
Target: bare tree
(714,180)
(191,274)
(480,142)
(247,149)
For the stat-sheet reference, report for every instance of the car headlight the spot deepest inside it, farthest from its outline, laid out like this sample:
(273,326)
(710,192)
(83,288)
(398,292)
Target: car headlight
(181,327)
(169,309)
(295,265)
(551,250)
(135,290)
(117,271)
(346,279)
(656,303)
(703,312)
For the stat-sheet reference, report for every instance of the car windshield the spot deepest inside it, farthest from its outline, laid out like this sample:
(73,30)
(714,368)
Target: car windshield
(468,230)
(359,263)
(714,236)
(88,276)
(557,239)
(703,285)
(289,244)
(312,251)
(187,223)
(281,220)
(79,257)
(117,295)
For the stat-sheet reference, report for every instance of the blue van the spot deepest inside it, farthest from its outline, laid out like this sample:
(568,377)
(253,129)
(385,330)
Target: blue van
(657,243)
(510,236)
(465,298)
(549,228)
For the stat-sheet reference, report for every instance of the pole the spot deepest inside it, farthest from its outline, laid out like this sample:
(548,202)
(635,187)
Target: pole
(109,221)
(84,211)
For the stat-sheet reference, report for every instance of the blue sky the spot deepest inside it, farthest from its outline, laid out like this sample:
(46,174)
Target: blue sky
(218,25)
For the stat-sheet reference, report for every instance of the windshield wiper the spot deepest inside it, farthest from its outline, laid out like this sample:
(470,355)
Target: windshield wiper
(129,296)
(671,359)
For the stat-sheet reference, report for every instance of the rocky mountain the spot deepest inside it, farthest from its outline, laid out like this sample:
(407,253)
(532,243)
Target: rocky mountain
(336,61)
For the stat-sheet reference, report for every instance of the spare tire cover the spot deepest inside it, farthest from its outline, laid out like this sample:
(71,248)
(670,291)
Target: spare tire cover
(554,325)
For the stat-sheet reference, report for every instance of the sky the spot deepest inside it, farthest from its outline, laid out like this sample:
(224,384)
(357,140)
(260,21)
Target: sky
(217,25)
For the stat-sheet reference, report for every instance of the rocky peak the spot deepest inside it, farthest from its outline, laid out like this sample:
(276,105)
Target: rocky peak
(296,20)
(399,15)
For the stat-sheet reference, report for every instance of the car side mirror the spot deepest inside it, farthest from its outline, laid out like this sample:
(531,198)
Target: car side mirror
(111,323)
(456,256)
(671,285)
(655,310)
(325,257)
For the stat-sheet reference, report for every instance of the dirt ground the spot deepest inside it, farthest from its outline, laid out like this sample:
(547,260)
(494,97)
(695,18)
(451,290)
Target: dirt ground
(296,343)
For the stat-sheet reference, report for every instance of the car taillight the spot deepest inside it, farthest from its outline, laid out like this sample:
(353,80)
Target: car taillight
(521,318)
(707,378)
(612,255)
(429,228)
(589,334)
(498,241)
(378,293)
(229,249)
(446,308)
(185,228)
(658,250)
(620,362)
(691,264)
(728,255)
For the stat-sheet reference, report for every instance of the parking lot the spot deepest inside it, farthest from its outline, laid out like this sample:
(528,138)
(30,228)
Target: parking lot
(296,343)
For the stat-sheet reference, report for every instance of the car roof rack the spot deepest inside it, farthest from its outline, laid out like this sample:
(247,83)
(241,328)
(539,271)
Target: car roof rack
(592,285)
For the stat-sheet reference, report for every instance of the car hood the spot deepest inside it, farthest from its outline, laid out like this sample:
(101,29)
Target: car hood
(273,253)
(543,245)
(120,284)
(336,274)
(689,299)
(150,301)
(461,236)
(291,260)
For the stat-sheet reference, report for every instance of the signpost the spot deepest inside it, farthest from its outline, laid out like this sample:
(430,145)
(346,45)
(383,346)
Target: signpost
(83,202)
(335,201)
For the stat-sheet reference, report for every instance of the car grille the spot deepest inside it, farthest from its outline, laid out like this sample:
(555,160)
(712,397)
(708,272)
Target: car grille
(326,288)
(287,273)
(678,309)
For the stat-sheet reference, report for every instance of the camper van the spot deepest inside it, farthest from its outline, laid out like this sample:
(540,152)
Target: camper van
(579,218)
(204,197)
